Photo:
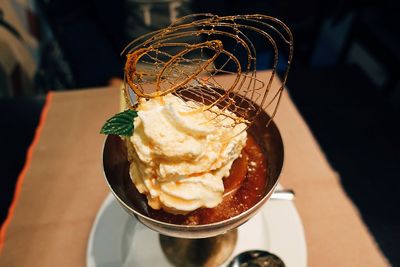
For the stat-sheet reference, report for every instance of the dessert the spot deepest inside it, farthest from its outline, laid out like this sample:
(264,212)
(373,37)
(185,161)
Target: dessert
(192,166)
(191,159)
(183,162)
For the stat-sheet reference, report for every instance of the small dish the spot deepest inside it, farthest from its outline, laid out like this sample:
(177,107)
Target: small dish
(115,235)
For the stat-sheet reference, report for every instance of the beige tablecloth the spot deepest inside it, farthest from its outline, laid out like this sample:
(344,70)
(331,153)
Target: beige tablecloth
(62,188)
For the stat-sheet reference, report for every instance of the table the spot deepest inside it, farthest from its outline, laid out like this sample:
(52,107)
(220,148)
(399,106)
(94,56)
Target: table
(61,188)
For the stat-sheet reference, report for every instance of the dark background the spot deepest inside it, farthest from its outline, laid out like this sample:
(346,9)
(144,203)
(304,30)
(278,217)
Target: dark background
(344,81)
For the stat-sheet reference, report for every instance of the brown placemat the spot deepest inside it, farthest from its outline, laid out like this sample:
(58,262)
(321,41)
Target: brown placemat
(64,187)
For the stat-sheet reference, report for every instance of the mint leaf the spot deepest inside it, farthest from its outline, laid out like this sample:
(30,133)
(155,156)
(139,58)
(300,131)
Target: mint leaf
(120,124)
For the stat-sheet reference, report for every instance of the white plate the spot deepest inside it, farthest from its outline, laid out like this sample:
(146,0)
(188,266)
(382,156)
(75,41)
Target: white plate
(118,240)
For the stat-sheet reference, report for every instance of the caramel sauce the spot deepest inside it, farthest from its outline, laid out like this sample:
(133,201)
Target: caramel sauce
(244,187)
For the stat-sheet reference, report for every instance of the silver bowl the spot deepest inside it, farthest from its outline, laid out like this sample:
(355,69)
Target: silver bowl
(116,171)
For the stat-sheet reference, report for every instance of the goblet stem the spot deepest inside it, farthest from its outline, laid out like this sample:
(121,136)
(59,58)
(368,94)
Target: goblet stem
(206,252)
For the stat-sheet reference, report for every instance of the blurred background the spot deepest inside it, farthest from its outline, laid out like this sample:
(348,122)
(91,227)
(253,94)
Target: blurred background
(344,80)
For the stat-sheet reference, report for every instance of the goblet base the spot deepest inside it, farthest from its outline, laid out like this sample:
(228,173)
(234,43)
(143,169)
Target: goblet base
(207,252)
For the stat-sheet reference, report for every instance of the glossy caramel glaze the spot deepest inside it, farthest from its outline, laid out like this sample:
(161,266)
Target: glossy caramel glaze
(244,187)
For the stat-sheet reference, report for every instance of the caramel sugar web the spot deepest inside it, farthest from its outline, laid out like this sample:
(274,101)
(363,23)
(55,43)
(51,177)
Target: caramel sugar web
(186,58)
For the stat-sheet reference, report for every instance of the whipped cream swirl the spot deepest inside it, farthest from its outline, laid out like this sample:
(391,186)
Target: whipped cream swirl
(180,156)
